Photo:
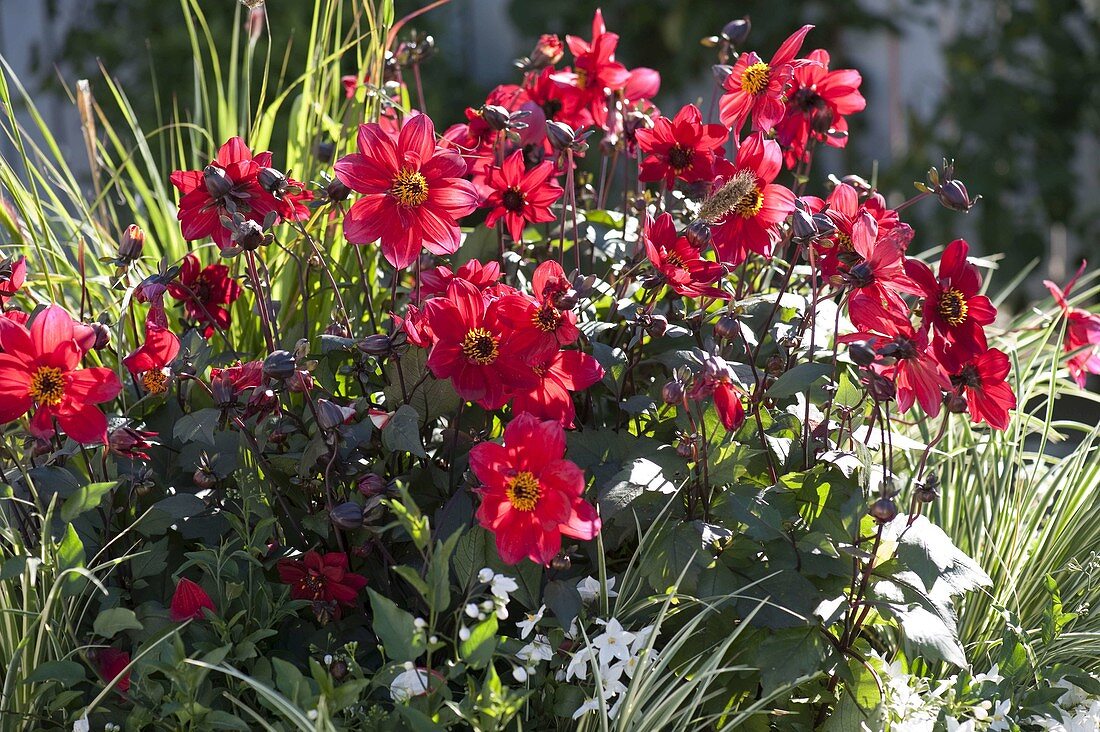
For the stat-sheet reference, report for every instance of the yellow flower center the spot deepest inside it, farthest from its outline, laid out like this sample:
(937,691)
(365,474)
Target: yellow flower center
(155,382)
(750,203)
(480,347)
(952,307)
(524,491)
(547,318)
(675,260)
(582,78)
(47,386)
(844,243)
(410,188)
(754,79)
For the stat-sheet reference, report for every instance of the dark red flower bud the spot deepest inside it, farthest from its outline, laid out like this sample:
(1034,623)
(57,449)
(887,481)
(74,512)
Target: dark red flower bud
(737,31)
(673,392)
(273,181)
(561,135)
(953,195)
(698,234)
(371,484)
(102,335)
(347,516)
(324,151)
(189,601)
(280,365)
(956,403)
(336,191)
(862,354)
(879,387)
(657,326)
(338,669)
(884,510)
(130,443)
(331,415)
(131,244)
(727,327)
(378,344)
(203,478)
(217,181)
(561,563)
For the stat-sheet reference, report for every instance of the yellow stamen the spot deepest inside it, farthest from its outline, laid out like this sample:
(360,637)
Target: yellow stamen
(524,491)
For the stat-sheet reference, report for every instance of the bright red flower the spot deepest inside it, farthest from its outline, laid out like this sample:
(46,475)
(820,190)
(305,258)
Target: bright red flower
(558,100)
(206,293)
(13,273)
(227,185)
(560,376)
(150,362)
(555,323)
(681,148)
(746,207)
(521,196)
(595,71)
(727,402)
(917,375)
(413,192)
(984,382)
(530,495)
(188,602)
(756,89)
(817,104)
(38,371)
(110,662)
(879,278)
(434,281)
(679,264)
(322,578)
(952,303)
(1082,333)
(843,207)
(475,347)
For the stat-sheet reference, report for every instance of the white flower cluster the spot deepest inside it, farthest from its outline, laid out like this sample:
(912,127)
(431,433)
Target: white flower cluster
(616,653)
(500,587)
(914,705)
(1079,711)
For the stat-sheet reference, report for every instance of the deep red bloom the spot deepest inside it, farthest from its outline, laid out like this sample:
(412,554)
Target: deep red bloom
(681,148)
(679,263)
(595,70)
(130,443)
(188,602)
(110,662)
(149,363)
(727,402)
(413,192)
(917,375)
(817,103)
(322,578)
(226,185)
(521,196)
(559,101)
(843,207)
(38,371)
(952,303)
(206,293)
(749,207)
(434,281)
(879,279)
(984,382)
(13,273)
(1082,333)
(530,495)
(756,89)
(560,376)
(475,347)
(541,325)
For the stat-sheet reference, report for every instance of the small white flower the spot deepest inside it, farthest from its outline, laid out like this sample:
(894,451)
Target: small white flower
(328,659)
(420,623)
(464,633)
(590,705)
(578,664)
(502,611)
(487,606)
(471,609)
(485,575)
(589,589)
(537,650)
(529,622)
(992,676)
(1000,721)
(82,725)
(408,684)
(312,714)
(519,673)
(433,639)
(954,725)
(614,642)
(501,586)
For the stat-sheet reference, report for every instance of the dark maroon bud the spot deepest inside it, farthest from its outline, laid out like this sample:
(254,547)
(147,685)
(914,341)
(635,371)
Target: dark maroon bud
(737,31)
(371,484)
(130,443)
(221,389)
(325,151)
(879,387)
(131,244)
(336,191)
(953,195)
(347,516)
(862,354)
(721,73)
(657,326)
(272,181)
(102,335)
(378,344)
(686,449)
(331,415)
(861,275)
(727,327)
(956,403)
(280,365)
(338,669)
(217,181)
(673,392)
(804,228)
(698,234)
(561,135)
(204,478)
(247,234)
(884,510)
(337,329)
(497,117)
(561,563)
(857,182)
(929,490)
(822,121)
(775,365)
(823,224)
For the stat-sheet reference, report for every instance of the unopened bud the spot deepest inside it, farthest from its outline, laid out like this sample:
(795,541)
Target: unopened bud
(884,510)
(378,344)
(497,117)
(862,353)
(102,335)
(561,563)
(371,484)
(338,669)
(271,180)
(280,365)
(956,403)
(336,191)
(698,234)
(953,195)
(548,51)
(204,478)
(217,181)
(737,31)
(131,244)
(727,327)
(673,392)
(657,326)
(561,135)
(347,516)
(331,415)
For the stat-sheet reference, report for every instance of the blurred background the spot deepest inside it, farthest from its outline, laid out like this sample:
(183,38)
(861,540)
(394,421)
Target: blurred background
(1008,88)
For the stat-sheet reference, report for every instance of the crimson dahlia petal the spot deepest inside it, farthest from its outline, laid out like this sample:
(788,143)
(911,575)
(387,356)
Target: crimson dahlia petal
(521,196)
(188,602)
(755,89)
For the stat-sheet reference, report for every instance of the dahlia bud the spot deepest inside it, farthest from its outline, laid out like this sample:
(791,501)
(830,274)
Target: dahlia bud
(337,329)
(721,73)
(217,181)
(204,478)
(272,181)
(824,225)
(347,516)
(956,403)
(737,31)
(371,484)
(497,117)
(698,234)
(338,669)
(324,151)
(880,388)
(548,51)
(336,191)
(884,510)
(378,344)
(130,443)
(686,448)
(775,365)
(131,244)
(859,183)
(804,228)
(331,415)
(249,235)
(727,327)
(102,335)
(561,563)
(280,365)
(561,135)
(953,195)
(862,354)
(673,392)
(929,490)
(657,326)
(221,389)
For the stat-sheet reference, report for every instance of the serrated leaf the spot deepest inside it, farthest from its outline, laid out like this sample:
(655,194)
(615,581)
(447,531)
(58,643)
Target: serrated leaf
(84,499)
(402,432)
(799,379)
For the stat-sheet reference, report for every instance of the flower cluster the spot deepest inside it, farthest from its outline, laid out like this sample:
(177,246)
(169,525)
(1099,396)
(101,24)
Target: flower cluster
(612,657)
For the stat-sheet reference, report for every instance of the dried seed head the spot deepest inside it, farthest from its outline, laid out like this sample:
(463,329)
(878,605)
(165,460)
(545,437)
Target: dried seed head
(733,192)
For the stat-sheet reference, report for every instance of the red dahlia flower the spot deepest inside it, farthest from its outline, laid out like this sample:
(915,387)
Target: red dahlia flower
(434,281)
(227,185)
(843,207)
(679,263)
(475,347)
(984,382)
(817,104)
(1082,332)
(554,325)
(681,148)
(952,303)
(188,602)
(560,376)
(206,293)
(110,663)
(521,196)
(530,495)
(915,371)
(746,208)
(595,71)
(756,89)
(149,363)
(413,192)
(38,371)
(322,578)
(559,101)
(878,280)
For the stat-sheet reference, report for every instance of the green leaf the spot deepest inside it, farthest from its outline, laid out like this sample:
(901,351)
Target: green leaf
(928,552)
(799,379)
(635,479)
(396,629)
(181,506)
(402,432)
(198,426)
(787,655)
(928,625)
(477,650)
(65,673)
(111,622)
(439,573)
(432,398)
(86,498)
(70,553)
